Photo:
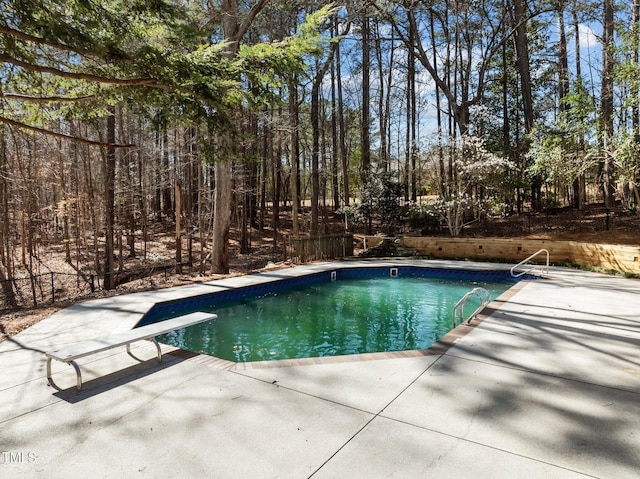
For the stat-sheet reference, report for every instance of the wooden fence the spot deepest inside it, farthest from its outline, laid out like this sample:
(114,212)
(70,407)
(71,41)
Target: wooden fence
(623,258)
(301,249)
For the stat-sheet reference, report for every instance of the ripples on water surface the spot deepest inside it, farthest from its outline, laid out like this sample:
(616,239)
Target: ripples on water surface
(343,317)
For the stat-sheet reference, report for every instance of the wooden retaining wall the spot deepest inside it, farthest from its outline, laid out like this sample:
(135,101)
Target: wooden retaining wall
(623,258)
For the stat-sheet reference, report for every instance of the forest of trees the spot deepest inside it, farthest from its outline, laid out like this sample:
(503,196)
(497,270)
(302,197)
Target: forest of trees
(225,115)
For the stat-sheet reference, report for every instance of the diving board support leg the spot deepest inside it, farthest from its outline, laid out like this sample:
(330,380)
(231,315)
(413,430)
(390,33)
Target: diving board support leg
(49,382)
(158,348)
(154,341)
(79,378)
(71,363)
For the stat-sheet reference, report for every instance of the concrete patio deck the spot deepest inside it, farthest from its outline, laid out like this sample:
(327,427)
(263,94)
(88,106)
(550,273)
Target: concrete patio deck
(547,385)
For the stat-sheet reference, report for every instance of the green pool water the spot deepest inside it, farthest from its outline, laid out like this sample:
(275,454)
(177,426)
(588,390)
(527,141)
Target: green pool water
(350,316)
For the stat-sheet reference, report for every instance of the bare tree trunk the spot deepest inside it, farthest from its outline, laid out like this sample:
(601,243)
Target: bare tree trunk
(635,109)
(522,51)
(223,176)
(130,205)
(166,180)
(5,243)
(341,128)
(407,119)
(8,294)
(253,177)
(64,203)
(365,135)
(157,199)
(382,118)
(4,200)
(192,179)
(276,184)
(411,121)
(580,185)
(294,155)
(201,213)
(232,31)
(245,220)
(442,184)
(387,104)
(635,113)
(142,203)
(109,190)
(221,218)
(335,188)
(267,145)
(563,62)
(178,204)
(563,86)
(315,149)
(606,105)
(324,165)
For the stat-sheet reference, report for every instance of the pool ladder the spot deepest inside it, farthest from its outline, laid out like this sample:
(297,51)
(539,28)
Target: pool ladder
(458,309)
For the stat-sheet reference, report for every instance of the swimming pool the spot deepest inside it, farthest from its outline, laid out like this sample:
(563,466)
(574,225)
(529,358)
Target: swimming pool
(340,312)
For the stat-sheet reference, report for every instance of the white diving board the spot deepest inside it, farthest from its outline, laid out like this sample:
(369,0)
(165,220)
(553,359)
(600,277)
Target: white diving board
(73,352)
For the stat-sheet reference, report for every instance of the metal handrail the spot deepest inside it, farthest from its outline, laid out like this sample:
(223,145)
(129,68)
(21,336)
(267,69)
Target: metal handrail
(524,261)
(458,309)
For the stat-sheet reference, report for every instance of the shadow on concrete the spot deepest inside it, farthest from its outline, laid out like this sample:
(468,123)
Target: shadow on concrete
(144,368)
(20,346)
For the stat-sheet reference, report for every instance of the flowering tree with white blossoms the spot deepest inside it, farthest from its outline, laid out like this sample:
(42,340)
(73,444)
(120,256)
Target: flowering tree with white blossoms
(472,164)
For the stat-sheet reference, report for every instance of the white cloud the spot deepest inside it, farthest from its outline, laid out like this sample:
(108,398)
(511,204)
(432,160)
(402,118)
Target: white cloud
(588,37)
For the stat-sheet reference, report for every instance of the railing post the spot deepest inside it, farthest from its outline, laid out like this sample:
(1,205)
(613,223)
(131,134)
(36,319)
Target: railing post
(284,246)
(33,289)
(526,260)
